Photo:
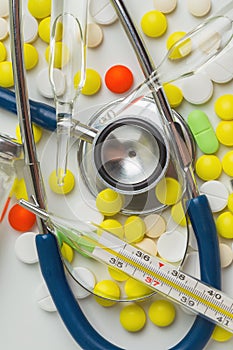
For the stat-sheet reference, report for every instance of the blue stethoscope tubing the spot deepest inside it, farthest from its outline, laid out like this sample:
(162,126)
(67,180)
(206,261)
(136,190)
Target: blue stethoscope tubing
(204,228)
(79,327)
(42,114)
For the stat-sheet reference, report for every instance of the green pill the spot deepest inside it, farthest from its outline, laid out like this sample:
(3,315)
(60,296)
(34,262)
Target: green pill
(203,132)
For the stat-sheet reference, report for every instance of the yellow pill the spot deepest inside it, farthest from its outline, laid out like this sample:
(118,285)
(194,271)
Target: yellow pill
(92,82)
(67,252)
(3,52)
(178,214)
(224,132)
(61,55)
(221,335)
(44,30)
(109,202)
(154,23)
(227,163)
(135,229)
(224,107)
(133,318)
(31,56)
(37,132)
(67,187)
(208,167)
(224,225)
(112,226)
(6,74)
(19,189)
(174,95)
(180,50)
(117,275)
(107,289)
(168,191)
(136,290)
(230,202)
(39,8)
(162,313)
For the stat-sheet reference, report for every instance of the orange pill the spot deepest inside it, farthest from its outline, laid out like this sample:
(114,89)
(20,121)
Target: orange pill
(21,219)
(119,79)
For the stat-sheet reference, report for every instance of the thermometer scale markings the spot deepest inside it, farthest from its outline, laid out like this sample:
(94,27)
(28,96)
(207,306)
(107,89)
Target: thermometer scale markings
(164,278)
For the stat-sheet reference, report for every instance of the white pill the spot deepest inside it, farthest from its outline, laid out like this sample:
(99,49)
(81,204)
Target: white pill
(197,89)
(226,255)
(148,245)
(4,29)
(25,248)
(191,264)
(30,28)
(102,12)
(85,278)
(44,299)
(220,70)
(165,6)
(217,194)
(4,8)
(155,225)
(199,8)
(44,85)
(94,35)
(172,246)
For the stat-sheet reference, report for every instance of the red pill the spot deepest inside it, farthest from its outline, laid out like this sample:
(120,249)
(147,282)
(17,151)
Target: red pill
(21,219)
(119,79)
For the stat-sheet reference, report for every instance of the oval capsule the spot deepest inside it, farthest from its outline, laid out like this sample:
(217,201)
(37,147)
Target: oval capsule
(203,132)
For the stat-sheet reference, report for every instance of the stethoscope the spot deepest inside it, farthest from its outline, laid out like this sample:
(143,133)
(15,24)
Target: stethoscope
(50,260)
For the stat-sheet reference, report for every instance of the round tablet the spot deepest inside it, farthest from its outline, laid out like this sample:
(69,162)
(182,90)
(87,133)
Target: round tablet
(180,50)
(30,28)
(44,299)
(133,318)
(224,132)
(134,228)
(165,6)
(92,82)
(44,86)
(21,219)
(220,70)
(191,264)
(19,189)
(148,245)
(113,226)
(174,95)
(67,252)
(135,289)
(109,202)
(4,29)
(224,225)
(162,313)
(197,89)
(86,282)
(107,289)
(178,214)
(37,133)
(208,167)
(117,275)
(6,74)
(217,194)
(4,8)
(25,248)
(102,12)
(61,54)
(172,246)
(119,79)
(39,8)
(230,202)
(168,191)
(94,35)
(67,187)
(155,225)
(227,163)
(199,8)
(154,24)
(31,56)
(221,335)
(3,52)
(224,107)
(226,255)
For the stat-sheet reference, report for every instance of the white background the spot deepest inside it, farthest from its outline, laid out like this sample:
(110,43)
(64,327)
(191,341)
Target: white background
(23,324)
